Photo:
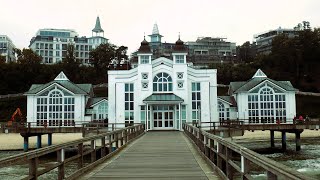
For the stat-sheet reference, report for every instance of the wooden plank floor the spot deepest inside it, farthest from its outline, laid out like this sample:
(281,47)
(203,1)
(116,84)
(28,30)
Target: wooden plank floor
(156,155)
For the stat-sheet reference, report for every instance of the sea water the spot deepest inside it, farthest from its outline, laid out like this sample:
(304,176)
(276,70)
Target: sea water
(306,161)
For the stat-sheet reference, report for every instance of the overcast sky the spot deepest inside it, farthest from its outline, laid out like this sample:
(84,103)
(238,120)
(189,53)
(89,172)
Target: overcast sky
(125,21)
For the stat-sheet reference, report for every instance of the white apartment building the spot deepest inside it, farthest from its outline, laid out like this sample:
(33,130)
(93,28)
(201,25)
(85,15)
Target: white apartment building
(7,48)
(52,44)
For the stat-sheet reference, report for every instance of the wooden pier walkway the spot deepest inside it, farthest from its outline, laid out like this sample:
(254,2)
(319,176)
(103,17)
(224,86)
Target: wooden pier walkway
(156,155)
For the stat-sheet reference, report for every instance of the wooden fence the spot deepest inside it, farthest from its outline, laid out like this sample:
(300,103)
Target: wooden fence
(234,161)
(90,152)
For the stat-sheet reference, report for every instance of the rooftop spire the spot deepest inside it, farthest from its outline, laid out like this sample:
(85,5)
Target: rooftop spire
(155,29)
(97,28)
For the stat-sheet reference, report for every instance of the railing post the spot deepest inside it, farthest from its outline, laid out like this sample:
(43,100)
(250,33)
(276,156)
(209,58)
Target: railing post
(60,159)
(33,168)
(125,136)
(206,148)
(230,170)
(83,130)
(219,159)
(103,146)
(93,149)
(245,167)
(271,176)
(117,139)
(110,143)
(211,152)
(80,152)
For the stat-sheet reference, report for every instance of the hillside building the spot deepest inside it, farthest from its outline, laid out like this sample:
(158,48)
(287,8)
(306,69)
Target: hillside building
(201,53)
(7,48)
(52,44)
(264,40)
(209,50)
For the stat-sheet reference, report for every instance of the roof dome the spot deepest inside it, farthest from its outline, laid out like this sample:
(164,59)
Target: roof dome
(144,48)
(179,46)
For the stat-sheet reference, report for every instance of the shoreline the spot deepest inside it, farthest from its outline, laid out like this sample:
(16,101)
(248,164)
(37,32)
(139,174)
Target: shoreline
(14,141)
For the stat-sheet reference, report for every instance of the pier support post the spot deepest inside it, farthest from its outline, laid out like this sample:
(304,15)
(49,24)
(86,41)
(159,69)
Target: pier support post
(39,141)
(25,144)
(272,138)
(298,141)
(49,139)
(284,140)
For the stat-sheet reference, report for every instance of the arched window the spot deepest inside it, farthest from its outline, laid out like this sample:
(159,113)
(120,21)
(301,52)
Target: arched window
(55,107)
(221,110)
(162,82)
(266,105)
(102,111)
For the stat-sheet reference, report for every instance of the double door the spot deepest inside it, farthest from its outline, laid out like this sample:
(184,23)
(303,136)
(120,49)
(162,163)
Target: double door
(163,119)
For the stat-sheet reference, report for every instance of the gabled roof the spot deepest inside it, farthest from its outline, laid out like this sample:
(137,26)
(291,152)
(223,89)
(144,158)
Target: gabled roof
(245,86)
(228,99)
(93,101)
(63,81)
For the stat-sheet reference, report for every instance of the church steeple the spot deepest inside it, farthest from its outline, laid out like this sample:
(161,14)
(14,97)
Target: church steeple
(97,29)
(155,37)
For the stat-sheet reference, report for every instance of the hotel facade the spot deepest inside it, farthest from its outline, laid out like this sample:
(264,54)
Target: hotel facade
(162,93)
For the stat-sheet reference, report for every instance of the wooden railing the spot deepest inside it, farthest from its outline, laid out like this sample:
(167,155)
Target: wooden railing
(89,152)
(233,161)
(78,126)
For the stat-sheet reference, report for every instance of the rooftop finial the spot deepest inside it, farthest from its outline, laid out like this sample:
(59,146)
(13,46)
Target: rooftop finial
(155,29)
(179,35)
(97,28)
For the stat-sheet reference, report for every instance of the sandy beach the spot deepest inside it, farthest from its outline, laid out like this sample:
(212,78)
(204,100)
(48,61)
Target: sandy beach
(14,141)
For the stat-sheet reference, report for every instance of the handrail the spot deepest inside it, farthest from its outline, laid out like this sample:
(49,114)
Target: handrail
(116,139)
(217,150)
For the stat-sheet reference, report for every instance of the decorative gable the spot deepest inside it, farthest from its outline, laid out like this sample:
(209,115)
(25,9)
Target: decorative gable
(259,74)
(61,77)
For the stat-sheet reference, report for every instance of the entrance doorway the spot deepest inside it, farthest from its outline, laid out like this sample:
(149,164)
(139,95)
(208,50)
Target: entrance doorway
(163,117)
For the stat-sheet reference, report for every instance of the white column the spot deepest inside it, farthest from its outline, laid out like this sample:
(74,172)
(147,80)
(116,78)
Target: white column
(180,118)
(147,119)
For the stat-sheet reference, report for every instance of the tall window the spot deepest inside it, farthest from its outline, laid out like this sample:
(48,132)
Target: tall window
(42,111)
(253,108)
(55,107)
(196,101)
(129,104)
(223,111)
(280,102)
(102,111)
(144,59)
(266,105)
(179,59)
(68,110)
(162,82)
